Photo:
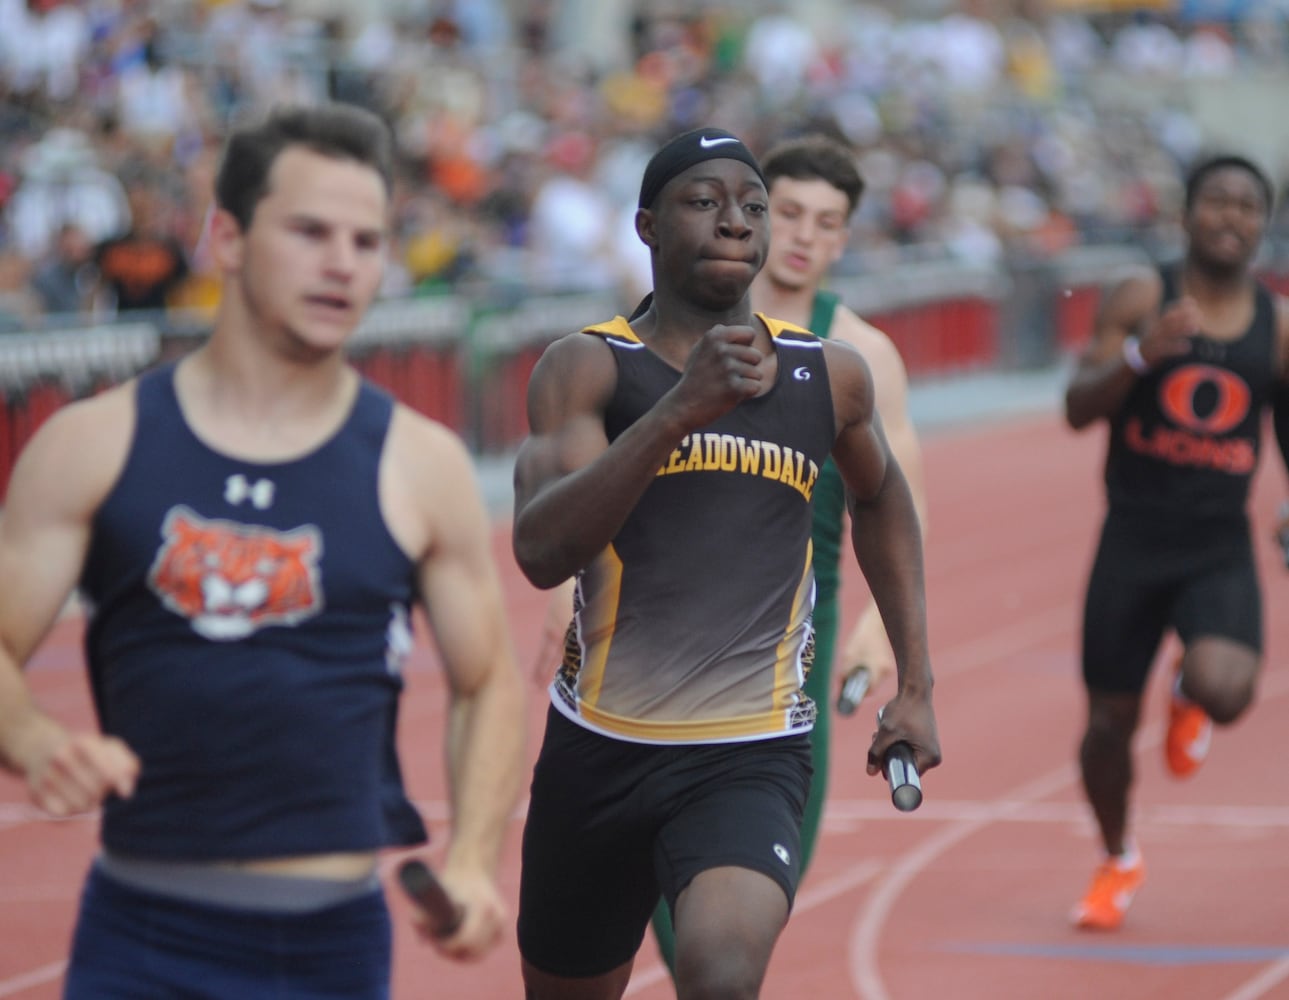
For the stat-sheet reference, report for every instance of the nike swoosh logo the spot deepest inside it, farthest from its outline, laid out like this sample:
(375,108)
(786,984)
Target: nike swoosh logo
(707,143)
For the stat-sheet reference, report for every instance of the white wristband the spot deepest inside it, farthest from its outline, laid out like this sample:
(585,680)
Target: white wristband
(1133,357)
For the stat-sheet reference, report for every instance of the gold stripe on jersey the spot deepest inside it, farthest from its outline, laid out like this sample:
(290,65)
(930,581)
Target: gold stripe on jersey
(619,329)
(704,731)
(597,623)
(783,330)
(789,671)
(616,329)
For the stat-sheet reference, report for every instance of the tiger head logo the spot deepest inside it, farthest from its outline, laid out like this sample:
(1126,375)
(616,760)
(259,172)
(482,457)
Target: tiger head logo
(230,579)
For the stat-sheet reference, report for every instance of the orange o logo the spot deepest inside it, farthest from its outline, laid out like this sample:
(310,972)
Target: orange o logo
(1177,397)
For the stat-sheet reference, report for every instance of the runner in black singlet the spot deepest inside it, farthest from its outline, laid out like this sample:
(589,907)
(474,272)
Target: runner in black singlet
(670,468)
(1182,367)
(815,188)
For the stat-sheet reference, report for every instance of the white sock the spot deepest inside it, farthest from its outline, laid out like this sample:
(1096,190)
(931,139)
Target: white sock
(1130,858)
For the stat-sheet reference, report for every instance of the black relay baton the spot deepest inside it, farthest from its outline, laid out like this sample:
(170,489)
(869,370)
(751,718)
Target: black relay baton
(444,913)
(853,689)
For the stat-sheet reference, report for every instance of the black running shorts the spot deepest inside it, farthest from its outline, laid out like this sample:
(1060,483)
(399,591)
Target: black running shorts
(612,825)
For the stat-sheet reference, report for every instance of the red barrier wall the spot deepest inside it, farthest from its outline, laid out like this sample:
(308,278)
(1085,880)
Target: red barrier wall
(943,338)
(429,379)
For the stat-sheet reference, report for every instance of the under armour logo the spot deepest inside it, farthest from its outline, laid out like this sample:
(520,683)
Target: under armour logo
(399,638)
(782,854)
(707,143)
(801,374)
(238,488)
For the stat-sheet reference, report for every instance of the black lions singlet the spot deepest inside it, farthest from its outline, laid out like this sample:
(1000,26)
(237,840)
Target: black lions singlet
(1185,442)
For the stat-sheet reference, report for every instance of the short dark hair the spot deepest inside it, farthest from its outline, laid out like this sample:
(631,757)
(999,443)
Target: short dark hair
(1201,171)
(815,157)
(342,131)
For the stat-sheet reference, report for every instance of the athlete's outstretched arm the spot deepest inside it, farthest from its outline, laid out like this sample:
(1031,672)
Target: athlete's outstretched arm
(57,485)
(886,538)
(1280,410)
(867,642)
(461,592)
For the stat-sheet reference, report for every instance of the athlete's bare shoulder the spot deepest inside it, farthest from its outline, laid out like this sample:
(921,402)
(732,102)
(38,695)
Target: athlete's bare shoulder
(422,441)
(851,381)
(575,376)
(1138,291)
(428,481)
(587,348)
(77,455)
(849,328)
(877,348)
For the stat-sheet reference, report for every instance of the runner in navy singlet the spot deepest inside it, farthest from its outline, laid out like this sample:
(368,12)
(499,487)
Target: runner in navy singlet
(251,528)
(1182,367)
(670,469)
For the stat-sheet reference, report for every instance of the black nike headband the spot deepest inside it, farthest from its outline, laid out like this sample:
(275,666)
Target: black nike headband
(689,148)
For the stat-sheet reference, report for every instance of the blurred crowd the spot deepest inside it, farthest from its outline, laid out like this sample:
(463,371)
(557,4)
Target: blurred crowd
(980,127)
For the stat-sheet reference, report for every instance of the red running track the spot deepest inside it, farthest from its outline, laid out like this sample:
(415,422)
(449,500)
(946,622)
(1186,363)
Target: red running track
(966,898)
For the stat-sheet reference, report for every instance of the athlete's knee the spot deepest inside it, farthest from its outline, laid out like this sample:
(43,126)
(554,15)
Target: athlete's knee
(1223,686)
(1227,700)
(1112,720)
(727,921)
(539,985)
(719,974)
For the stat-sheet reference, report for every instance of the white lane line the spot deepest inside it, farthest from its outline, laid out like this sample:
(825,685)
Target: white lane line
(865,974)
(14,814)
(1260,985)
(997,645)
(36,977)
(968,810)
(838,885)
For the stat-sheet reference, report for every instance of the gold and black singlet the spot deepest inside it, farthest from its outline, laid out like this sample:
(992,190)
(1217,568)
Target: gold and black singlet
(693,625)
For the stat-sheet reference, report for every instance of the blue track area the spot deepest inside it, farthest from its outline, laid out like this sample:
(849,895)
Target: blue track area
(1158,954)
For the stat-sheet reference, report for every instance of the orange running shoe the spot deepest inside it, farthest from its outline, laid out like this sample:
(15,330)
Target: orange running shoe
(1106,901)
(1190,731)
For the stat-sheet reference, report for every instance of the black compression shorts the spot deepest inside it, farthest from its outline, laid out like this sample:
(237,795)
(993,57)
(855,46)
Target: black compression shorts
(1151,575)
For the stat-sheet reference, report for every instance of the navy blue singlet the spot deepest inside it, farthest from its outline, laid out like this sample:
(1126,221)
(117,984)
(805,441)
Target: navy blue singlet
(248,623)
